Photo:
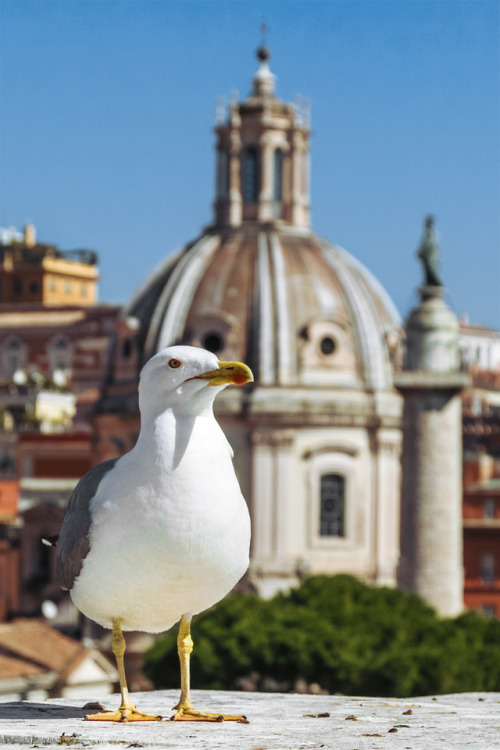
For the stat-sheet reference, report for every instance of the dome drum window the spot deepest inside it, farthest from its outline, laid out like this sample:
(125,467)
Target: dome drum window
(328,351)
(214,335)
(213,342)
(327,345)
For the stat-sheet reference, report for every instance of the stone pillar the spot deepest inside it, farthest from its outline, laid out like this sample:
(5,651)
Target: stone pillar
(387,457)
(235,199)
(273,560)
(265,210)
(431,562)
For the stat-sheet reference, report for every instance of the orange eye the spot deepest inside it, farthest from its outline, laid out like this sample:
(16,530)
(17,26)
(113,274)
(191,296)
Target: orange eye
(174,363)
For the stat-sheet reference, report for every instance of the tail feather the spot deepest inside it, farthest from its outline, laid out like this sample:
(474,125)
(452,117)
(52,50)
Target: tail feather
(50,541)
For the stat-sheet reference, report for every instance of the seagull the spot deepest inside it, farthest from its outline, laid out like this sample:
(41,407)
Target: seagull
(163,532)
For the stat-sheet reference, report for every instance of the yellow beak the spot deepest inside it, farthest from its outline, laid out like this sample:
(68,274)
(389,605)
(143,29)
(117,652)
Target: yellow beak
(229,372)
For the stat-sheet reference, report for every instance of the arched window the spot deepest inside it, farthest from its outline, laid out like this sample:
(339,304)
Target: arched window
(127,348)
(60,353)
(332,505)
(278,176)
(250,175)
(14,355)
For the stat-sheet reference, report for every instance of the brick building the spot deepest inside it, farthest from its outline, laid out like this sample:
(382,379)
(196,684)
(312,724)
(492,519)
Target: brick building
(54,348)
(481,478)
(9,547)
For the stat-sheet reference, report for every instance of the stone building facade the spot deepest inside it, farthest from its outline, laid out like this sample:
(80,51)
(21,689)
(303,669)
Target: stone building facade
(481,478)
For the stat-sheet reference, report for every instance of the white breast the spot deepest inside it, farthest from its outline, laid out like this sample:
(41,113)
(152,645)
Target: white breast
(170,532)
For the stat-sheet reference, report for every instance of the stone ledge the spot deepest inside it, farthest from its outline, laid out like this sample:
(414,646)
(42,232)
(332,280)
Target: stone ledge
(431,380)
(278,722)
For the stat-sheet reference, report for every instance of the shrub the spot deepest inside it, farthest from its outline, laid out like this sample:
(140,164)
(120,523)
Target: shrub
(340,633)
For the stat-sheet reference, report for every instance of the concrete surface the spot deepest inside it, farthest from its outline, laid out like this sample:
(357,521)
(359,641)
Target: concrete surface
(277,722)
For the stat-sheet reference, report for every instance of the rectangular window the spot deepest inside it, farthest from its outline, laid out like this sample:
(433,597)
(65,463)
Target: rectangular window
(489,610)
(489,507)
(332,505)
(13,364)
(488,567)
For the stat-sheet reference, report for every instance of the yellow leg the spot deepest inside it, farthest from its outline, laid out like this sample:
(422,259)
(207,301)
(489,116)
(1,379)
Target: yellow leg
(185,710)
(127,710)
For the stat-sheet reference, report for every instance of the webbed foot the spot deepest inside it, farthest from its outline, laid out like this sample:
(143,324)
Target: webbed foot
(123,714)
(189,713)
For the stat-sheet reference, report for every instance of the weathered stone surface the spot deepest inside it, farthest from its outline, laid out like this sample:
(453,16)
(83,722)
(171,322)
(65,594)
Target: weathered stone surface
(277,722)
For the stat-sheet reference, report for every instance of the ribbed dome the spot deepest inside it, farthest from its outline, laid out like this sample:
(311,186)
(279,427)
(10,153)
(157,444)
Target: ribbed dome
(298,309)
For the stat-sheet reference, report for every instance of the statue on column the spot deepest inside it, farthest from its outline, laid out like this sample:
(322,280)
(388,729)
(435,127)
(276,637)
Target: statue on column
(428,253)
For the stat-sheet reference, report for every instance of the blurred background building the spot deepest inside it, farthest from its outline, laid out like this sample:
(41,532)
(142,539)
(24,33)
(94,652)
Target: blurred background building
(317,438)
(54,343)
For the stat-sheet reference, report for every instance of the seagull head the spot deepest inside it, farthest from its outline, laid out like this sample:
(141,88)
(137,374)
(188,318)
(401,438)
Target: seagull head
(186,378)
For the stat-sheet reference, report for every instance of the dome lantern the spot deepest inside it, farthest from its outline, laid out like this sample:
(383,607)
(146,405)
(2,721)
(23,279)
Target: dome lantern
(262,165)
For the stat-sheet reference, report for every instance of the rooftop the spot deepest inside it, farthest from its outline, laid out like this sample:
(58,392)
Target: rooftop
(36,646)
(27,249)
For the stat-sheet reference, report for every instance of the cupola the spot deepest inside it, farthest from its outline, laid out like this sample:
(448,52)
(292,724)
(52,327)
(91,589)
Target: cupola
(262,157)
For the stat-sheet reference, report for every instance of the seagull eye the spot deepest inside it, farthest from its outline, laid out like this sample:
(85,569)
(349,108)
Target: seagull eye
(174,363)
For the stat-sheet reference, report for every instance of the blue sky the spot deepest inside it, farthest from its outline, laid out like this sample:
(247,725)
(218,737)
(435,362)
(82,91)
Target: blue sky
(106,132)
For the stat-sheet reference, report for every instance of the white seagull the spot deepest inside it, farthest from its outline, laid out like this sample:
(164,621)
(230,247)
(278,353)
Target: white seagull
(163,532)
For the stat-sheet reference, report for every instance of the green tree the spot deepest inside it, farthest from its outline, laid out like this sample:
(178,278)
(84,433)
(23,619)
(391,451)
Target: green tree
(340,633)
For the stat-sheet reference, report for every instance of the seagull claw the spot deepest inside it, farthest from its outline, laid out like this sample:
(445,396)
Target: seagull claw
(123,715)
(188,713)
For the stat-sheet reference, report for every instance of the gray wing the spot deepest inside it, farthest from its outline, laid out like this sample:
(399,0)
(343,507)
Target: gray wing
(73,543)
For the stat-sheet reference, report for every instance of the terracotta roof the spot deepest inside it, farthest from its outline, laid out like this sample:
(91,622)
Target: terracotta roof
(477,329)
(12,667)
(36,645)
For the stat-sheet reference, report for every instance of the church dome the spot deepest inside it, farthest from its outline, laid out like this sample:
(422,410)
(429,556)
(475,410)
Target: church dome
(297,309)
(259,285)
